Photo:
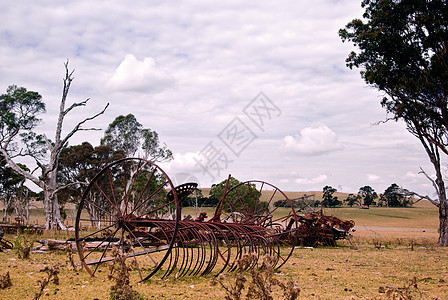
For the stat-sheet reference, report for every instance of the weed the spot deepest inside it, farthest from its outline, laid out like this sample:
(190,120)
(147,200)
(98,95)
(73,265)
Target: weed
(353,243)
(405,293)
(233,290)
(400,241)
(377,243)
(119,272)
(260,285)
(69,251)
(22,245)
(52,276)
(246,261)
(5,281)
(427,244)
(263,281)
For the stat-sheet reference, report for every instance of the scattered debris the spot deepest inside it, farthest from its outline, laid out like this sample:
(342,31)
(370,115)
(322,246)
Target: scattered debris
(15,228)
(318,229)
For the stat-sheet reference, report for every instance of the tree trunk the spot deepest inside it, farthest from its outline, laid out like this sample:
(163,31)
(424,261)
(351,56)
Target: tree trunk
(7,201)
(5,213)
(53,218)
(443,207)
(443,222)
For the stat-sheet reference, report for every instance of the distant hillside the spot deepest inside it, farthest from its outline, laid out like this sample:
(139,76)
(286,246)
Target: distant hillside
(289,194)
(317,196)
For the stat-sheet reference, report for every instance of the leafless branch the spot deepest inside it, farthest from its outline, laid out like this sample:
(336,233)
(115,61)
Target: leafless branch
(421,197)
(78,126)
(430,179)
(383,121)
(83,103)
(66,186)
(48,142)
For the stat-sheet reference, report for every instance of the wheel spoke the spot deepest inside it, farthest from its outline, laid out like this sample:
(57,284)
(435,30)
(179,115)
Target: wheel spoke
(139,203)
(118,197)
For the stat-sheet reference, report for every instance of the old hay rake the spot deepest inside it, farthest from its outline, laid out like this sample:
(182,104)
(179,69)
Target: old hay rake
(133,205)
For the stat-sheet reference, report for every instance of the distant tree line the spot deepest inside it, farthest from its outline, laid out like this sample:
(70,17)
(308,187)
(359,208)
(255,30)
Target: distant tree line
(197,198)
(393,196)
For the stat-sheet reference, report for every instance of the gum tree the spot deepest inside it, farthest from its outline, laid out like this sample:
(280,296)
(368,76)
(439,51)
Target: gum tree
(368,195)
(19,117)
(328,200)
(402,51)
(125,133)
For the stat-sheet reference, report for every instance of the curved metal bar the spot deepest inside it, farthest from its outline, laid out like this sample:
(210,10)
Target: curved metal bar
(190,247)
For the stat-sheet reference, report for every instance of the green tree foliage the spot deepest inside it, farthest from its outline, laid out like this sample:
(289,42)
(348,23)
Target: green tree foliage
(202,200)
(217,190)
(239,197)
(127,134)
(368,195)
(402,52)
(394,196)
(328,200)
(19,110)
(352,200)
(79,164)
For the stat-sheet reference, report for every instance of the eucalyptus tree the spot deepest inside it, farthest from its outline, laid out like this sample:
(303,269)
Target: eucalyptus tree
(368,195)
(402,51)
(127,134)
(352,200)
(395,196)
(328,200)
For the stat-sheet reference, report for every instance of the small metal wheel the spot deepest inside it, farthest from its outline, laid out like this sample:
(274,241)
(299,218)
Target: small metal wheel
(130,208)
(266,213)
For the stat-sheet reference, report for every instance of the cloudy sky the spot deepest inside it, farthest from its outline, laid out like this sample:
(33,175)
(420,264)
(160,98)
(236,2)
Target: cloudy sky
(258,89)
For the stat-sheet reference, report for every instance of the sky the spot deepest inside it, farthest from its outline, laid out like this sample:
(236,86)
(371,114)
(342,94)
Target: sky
(256,89)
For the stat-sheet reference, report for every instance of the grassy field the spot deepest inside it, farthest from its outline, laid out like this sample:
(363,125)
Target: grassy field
(389,248)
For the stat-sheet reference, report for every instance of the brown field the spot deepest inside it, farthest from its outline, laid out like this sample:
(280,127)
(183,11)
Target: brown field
(389,247)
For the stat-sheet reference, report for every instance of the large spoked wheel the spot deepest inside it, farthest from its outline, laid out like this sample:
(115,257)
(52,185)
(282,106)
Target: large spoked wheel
(268,212)
(126,208)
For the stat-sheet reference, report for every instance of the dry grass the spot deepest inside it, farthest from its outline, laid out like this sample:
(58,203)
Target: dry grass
(358,270)
(389,249)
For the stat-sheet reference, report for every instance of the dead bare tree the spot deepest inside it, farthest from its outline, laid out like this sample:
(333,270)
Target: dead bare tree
(46,159)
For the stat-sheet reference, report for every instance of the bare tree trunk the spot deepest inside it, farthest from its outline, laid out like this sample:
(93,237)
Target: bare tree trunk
(53,218)
(47,209)
(443,209)
(8,202)
(443,223)
(439,185)
(27,209)
(5,213)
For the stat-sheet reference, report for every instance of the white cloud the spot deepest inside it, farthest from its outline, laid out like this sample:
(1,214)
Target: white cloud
(317,179)
(314,140)
(200,63)
(140,76)
(373,177)
(411,174)
(182,163)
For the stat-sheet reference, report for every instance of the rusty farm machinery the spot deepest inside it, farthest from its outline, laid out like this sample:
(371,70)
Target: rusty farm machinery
(133,206)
